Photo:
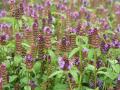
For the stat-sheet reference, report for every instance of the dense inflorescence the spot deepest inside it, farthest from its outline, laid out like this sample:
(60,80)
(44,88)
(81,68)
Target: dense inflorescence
(59,45)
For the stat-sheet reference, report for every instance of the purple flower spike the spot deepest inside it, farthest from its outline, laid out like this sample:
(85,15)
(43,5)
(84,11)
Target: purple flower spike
(28,57)
(3,65)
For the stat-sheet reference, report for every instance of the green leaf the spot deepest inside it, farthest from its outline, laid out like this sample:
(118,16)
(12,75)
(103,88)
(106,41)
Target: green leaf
(53,56)
(90,54)
(13,78)
(59,86)
(37,88)
(90,68)
(26,45)
(36,67)
(17,60)
(74,51)
(24,80)
(56,73)
(74,73)
(27,88)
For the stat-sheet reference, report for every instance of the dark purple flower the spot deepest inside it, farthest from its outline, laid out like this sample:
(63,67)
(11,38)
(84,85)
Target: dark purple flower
(100,84)
(92,84)
(28,57)
(4,37)
(40,38)
(104,47)
(115,44)
(32,84)
(99,63)
(92,31)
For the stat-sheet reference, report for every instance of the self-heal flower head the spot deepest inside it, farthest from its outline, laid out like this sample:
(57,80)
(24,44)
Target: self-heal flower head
(4,37)
(11,1)
(39,7)
(48,3)
(34,14)
(28,57)
(3,66)
(47,30)
(75,14)
(93,31)
(3,13)
(64,63)
(18,36)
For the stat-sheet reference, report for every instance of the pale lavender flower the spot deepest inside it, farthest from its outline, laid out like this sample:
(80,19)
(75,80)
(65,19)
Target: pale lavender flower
(47,30)
(11,1)
(61,62)
(64,63)
(3,13)
(75,14)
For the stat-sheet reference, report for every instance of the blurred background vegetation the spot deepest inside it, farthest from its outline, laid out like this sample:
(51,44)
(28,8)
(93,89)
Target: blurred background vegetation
(38,1)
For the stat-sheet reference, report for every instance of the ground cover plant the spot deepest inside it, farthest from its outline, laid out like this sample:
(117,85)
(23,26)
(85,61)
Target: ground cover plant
(59,45)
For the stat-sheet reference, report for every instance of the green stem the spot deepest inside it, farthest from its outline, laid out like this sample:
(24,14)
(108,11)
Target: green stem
(95,57)
(70,86)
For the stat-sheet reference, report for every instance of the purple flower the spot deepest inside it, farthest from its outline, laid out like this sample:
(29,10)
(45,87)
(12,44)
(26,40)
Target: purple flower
(3,66)
(117,12)
(61,7)
(99,63)
(100,84)
(18,36)
(39,7)
(40,38)
(28,57)
(92,31)
(115,44)
(75,14)
(32,84)
(104,47)
(47,3)
(47,30)
(0,79)
(118,77)
(4,37)
(3,13)
(76,62)
(64,63)
(34,14)
(11,1)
